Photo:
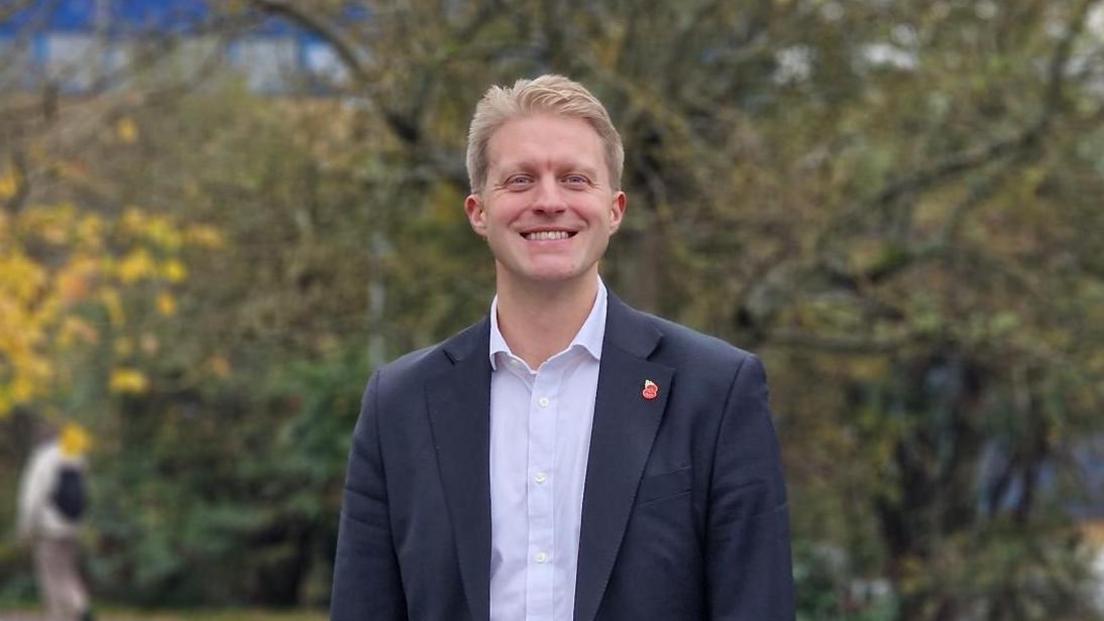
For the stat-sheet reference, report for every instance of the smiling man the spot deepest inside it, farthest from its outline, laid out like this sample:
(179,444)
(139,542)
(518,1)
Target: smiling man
(567,457)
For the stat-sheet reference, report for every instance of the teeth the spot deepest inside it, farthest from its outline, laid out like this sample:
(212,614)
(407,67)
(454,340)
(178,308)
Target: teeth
(547,235)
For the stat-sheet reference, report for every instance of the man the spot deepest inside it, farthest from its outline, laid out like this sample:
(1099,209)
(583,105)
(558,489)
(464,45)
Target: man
(51,506)
(567,457)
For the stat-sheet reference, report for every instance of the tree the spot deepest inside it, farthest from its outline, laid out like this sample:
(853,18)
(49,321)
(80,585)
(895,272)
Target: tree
(894,203)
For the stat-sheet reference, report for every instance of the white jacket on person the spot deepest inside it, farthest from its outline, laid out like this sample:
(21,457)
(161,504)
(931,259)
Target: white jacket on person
(38,516)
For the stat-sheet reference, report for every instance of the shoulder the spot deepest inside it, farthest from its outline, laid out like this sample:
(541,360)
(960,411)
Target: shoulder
(404,376)
(45,457)
(42,468)
(410,371)
(413,365)
(680,345)
(702,364)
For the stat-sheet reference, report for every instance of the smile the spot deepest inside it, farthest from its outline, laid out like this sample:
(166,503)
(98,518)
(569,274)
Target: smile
(547,235)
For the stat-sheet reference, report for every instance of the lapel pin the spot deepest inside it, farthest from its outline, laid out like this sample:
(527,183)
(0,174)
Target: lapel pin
(651,390)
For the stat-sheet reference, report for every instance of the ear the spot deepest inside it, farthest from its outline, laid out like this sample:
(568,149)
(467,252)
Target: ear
(473,207)
(617,211)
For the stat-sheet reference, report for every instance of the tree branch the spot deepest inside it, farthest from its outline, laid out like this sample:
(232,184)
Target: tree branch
(835,344)
(961,162)
(956,164)
(344,45)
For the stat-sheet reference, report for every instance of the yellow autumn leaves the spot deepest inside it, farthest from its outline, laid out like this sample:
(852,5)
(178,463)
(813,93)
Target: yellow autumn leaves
(126,130)
(9,184)
(128,380)
(64,271)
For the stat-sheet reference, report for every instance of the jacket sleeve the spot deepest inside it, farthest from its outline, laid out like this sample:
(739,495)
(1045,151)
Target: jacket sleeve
(748,566)
(34,492)
(367,583)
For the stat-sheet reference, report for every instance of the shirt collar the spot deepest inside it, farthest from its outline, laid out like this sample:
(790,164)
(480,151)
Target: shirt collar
(589,337)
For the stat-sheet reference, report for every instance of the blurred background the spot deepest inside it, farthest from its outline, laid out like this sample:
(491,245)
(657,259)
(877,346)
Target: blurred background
(216,218)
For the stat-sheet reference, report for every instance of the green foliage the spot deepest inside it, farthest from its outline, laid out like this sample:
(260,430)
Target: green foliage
(896,204)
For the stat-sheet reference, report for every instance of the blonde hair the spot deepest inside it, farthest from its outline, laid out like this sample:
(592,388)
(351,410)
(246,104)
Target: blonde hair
(550,94)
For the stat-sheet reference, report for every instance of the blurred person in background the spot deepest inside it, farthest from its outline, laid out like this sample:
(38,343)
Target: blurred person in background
(52,504)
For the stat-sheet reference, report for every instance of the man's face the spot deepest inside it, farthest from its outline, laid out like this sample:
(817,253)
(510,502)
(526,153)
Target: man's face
(548,207)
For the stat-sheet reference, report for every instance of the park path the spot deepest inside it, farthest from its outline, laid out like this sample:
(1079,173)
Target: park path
(33,616)
(30,616)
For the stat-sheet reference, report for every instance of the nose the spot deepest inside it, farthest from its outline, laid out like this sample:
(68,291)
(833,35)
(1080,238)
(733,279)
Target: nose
(549,197)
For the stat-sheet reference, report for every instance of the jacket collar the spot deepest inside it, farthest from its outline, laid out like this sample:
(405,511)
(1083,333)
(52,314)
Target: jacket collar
(626,328)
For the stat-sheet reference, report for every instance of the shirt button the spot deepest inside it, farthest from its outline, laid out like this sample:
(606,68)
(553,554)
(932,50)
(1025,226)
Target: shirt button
(541,477)
(541,557)
(543,402)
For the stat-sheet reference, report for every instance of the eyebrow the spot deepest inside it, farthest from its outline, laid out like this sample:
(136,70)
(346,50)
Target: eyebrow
(527,165)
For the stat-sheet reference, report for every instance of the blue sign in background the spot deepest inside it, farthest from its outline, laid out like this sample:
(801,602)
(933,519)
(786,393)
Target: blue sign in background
(119,20)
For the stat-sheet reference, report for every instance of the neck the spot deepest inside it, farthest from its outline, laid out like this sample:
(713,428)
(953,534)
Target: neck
(539,321)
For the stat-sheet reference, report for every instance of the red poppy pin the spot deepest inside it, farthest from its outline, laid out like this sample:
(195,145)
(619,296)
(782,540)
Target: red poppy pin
(651,390)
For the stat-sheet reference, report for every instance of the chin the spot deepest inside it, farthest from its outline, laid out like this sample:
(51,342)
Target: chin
(546,276)
(550,277)
(546,273)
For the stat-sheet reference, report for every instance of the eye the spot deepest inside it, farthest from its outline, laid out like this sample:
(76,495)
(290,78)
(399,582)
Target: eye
(518,182)
(576,180)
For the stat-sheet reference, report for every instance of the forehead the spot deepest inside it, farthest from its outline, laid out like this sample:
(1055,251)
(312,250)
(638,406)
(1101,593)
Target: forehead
(545,140)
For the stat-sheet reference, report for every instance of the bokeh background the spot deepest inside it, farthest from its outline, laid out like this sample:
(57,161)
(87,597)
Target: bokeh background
(216,218)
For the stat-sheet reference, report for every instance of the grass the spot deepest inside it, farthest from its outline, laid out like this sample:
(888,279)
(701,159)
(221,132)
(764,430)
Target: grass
(222,614)
(216,615)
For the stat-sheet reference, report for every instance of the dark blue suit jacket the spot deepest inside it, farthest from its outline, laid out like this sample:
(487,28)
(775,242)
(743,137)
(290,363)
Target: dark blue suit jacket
(684,508)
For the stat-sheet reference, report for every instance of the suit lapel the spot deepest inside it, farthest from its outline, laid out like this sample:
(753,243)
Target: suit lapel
(625,425)
(459,409)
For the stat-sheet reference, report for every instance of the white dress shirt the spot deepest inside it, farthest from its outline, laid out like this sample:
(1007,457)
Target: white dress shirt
(540,440)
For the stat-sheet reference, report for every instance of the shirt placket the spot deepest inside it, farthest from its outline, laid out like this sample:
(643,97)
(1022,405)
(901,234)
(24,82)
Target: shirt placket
(543,405)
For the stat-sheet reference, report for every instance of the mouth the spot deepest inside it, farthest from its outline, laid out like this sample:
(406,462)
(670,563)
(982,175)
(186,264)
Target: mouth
(548,235)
